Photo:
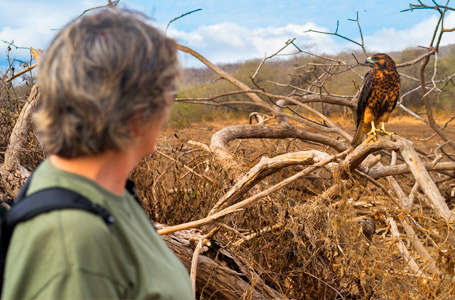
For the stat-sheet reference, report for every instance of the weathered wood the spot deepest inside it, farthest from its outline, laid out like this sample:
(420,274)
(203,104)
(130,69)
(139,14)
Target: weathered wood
(368,146)
(419,247)
(221,139)
(264,168)
(12,173)
(406,203)
(413,162)
(16,140)
(404,169)
(221,274)
(203,242)
(424,180)
(410,262)
(240,205)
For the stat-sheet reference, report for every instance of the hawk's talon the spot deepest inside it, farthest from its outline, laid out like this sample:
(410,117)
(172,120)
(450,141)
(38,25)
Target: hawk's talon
(386,132)
(372,134)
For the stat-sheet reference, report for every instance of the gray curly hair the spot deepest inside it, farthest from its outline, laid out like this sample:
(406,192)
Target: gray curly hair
(98,74)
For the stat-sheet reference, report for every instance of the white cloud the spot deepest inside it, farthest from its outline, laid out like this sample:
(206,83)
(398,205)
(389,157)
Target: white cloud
(390,39)
(31,23)
(229,42)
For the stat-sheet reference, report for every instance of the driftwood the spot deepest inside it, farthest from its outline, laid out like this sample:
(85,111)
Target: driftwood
(411,263)
(350,163)
(264,168)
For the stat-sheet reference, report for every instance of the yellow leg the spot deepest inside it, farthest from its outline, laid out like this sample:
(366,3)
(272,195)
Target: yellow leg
(373,130)
(386,132)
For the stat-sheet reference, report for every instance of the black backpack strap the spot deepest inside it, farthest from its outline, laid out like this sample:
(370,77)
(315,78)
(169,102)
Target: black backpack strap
(43,201)
(53,199)
(23,190)
(132,190)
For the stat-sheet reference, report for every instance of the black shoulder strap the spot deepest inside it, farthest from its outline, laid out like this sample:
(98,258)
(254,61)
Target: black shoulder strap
(132,190)
(23,190)
(40,202)
(53,199)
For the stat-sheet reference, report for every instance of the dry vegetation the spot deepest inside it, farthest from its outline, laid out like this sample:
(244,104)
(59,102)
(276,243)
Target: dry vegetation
(314,219)
(303,245)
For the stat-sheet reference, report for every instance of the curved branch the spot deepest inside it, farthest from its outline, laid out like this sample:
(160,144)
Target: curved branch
(298,118)
(232,80)
(221,139)
(266,167)
(302,99)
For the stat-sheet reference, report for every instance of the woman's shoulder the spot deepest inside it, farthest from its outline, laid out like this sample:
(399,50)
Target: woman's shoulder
(69,239)
(73,227)
(65,243)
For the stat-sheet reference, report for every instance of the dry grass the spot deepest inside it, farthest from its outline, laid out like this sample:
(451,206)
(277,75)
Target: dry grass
(304,246)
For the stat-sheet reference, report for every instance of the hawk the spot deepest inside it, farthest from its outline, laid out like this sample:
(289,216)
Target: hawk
(378,97)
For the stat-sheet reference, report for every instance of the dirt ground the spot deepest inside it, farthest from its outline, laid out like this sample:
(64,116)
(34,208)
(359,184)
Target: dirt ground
(420,134)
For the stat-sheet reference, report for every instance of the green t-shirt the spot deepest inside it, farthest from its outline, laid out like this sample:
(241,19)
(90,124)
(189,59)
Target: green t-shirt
(73,254)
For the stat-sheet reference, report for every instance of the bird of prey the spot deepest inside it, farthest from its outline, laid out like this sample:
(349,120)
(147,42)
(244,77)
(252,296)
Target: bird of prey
(378,97)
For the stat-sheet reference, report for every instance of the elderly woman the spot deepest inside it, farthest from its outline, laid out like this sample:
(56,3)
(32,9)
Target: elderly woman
(106,82)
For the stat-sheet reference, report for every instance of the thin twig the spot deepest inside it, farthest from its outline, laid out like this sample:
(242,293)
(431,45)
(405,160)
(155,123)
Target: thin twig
(361,45)
(21,72)
(327,284)
(179,17)
(185,166)
(255,234)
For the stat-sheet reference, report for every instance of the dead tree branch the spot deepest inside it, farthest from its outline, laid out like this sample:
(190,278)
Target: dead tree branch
(221,273)
(221,139)
(240,205)
(12,172)
(361,45)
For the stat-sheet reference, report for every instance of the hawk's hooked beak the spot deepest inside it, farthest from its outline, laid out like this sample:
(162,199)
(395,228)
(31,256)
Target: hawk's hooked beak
(369,61)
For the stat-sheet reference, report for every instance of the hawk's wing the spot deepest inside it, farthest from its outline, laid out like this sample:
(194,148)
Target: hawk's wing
(361,105)
(395,101)
(363,98)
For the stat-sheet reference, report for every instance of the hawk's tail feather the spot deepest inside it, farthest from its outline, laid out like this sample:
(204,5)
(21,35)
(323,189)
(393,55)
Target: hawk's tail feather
(358,136)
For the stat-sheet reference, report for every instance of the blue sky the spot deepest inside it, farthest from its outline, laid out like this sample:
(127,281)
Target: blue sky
(231,31)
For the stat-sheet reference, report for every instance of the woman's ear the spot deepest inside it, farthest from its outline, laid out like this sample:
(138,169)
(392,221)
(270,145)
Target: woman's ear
(136,124)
